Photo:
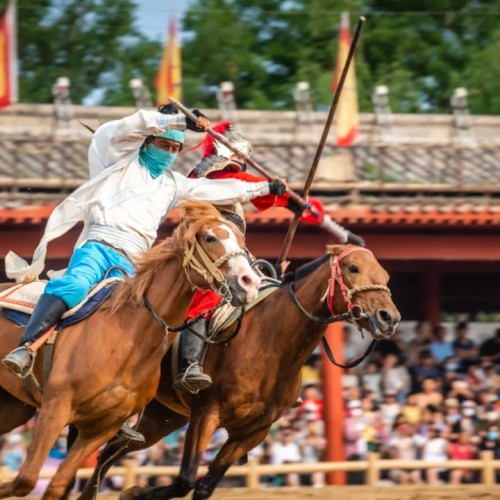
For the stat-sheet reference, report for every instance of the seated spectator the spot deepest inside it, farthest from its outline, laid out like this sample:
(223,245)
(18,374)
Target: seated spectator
(411,411)
(371,380)
(350,379)
(311,371)
(453,415)
(312,402)
(351,347)
(460,448)
(286,451)
(490,350)
(353,430)
(390,409)
(425,368)
(395,376)
(468,422)
(430,393)
(405,446)
(464,348)
(435,449)
(440,348)
(420,343)
(312,449)
(460,390)
(394,346)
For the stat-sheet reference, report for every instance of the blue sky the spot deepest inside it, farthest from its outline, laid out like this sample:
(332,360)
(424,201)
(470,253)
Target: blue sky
(153,16)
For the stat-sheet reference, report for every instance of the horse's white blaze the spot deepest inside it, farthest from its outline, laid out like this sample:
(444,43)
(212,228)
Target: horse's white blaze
(239,265)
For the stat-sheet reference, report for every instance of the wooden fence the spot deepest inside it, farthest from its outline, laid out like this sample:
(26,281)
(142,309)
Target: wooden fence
(253,471)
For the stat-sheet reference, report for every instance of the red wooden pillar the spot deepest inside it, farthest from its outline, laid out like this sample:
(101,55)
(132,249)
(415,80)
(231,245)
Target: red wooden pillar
(432,293)
(334,403)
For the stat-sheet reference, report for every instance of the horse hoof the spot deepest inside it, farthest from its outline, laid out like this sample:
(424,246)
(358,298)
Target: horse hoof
(132,493)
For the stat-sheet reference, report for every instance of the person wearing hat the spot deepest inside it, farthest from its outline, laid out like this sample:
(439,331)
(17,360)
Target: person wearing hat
(220,162)
(131,190)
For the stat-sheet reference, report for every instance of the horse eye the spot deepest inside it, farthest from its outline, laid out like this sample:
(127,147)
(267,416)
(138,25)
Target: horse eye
(210,239)
(353,269)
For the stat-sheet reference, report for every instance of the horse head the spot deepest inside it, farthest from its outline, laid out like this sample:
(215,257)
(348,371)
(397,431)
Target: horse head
(214,253)
(361,290)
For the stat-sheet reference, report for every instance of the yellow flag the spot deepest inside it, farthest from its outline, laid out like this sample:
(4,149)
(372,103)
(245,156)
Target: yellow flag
(168,82)
(346,117)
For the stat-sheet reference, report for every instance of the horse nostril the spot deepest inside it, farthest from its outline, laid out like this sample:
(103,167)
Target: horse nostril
(246,281)
(384,317)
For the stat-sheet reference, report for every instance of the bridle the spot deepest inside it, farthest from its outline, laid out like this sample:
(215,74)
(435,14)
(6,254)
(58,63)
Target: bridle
(354,312)
(208,269)
(211,273)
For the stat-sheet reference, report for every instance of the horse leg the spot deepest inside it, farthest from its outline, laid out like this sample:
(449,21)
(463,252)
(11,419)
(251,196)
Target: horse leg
(84,445)
(234,448)
(13,412)
(51,420)
(156,422)
(201,428)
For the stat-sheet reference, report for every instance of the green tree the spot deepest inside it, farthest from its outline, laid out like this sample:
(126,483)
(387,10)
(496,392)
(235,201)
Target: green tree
(420,49)
(93,42)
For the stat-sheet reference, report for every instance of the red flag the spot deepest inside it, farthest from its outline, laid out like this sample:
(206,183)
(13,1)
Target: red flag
(8,56)
(168,81)
(346,118)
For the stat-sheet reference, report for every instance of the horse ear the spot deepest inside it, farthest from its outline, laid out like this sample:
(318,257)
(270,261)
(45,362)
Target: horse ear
(335,249)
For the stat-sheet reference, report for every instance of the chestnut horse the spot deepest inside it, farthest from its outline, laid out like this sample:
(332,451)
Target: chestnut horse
(257,376)
(107,367)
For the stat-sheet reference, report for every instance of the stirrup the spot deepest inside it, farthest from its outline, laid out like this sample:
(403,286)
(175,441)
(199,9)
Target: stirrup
(131,435)
(192,383)
(14,364)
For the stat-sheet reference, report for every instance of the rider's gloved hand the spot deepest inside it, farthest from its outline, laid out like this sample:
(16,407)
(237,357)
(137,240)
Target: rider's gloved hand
(354,239)
(200,125)
(277,187)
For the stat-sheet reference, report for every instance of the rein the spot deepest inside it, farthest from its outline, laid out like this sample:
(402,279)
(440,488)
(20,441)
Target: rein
(354,312)
(211,273)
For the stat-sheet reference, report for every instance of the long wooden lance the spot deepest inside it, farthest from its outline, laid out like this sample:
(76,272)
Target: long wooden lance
(248,159)
(336,229)
(314,166)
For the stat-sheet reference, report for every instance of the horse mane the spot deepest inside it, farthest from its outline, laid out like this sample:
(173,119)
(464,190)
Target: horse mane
(194,215)
(309,267)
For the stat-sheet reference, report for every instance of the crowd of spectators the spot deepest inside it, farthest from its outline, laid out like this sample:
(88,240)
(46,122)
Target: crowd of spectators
(431,398)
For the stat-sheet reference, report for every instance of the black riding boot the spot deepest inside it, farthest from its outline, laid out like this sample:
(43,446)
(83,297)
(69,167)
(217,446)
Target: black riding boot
(191,377)
(47,313)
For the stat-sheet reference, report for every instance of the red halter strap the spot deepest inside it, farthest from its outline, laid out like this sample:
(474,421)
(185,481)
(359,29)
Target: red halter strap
(336,275)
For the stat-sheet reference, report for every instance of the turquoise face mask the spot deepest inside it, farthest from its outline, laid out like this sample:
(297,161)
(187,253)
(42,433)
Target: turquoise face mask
(156,160)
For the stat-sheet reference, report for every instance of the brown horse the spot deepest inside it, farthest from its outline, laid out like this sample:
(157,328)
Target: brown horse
(257,376)
(107,367)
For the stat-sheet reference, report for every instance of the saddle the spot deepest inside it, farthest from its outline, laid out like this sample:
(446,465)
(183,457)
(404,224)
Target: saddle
(19,301)
(223,318)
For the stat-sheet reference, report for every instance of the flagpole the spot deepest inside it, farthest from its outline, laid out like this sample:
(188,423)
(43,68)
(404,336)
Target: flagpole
(326,129)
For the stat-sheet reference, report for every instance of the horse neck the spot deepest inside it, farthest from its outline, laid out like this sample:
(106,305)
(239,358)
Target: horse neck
(170,293)
(301,334)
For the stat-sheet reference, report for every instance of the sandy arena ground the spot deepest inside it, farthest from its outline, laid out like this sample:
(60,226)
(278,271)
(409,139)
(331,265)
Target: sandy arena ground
(351,493)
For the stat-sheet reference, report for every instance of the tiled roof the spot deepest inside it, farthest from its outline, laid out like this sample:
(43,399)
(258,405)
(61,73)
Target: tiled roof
(355,215)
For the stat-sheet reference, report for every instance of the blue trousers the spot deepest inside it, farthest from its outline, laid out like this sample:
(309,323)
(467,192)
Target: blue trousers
(88,265)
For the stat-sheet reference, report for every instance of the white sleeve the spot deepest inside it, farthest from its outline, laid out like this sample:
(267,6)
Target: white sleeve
(223,191)
(119,139)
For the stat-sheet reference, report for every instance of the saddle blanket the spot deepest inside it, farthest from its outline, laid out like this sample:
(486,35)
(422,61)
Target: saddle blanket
(226,315)
(19,301)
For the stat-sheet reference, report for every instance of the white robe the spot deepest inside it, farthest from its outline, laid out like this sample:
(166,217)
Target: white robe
(122,204)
